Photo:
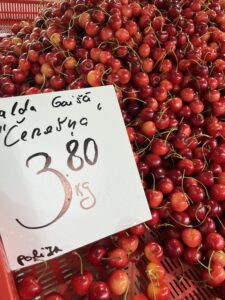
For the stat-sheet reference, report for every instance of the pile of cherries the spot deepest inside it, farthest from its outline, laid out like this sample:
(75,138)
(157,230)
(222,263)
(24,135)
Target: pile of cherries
(166,60)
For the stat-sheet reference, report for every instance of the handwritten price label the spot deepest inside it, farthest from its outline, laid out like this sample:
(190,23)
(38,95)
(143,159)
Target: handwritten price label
(68,176)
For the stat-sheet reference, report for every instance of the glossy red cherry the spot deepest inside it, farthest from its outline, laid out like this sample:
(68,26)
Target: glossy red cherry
(137,230)
(117,258)
(96,254)
(118,282)
(192,256)
(81,283)
(99,290)
(29,287)
(129,243)
(216,276)
(191,237)
(154,252)
(174,248)
(215,241)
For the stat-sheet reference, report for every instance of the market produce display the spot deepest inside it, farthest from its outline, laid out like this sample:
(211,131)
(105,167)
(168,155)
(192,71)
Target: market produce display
(166,60)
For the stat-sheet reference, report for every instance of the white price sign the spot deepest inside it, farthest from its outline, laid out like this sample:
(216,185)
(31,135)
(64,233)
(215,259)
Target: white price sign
(68,176)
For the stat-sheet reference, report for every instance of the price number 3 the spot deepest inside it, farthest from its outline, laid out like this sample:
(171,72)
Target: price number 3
(74,162)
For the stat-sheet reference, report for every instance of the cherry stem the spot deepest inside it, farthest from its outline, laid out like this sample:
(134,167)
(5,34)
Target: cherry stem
(210,260)
(43,83)
(192,280)
(220,222)
(45,268)
(113,241)
(153,177)
(204,187)
(146,226)
(196,212)
(153,288)
(110,258)
(204,158)
(129,47)
(152,275)
(165,225)
(183,225)
(137,99)
(203,265)
(81,261)
(182,268)
(127,290)
(204,217)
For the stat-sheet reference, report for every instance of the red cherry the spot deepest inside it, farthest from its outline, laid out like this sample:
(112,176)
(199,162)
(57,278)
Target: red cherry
(206,178)
(33,56)
(216,276)
(128,243)
(29,288)
(69,43)
(196,193)
(191,237)
(141,79)
(57,82)
(91,29)
(192,256)
(118,282)
(94,78)
(181,219)
(154,197)
(99,290)
(217,192)
(218,154)
(165,185)
(149,128)
(81,283)
(208,226)
(217,257)
(122,35)
(86,65)
(158,291)
(197,211)
(174,248)
(137,230)
(154,252)
(117,258)
(215,241)
(179,201)
(96,254)
(8,88)
(18,76)
(160,147)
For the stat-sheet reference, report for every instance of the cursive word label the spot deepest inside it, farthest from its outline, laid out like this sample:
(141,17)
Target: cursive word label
(14,134)
(46,252)
(18,109)
(59,102)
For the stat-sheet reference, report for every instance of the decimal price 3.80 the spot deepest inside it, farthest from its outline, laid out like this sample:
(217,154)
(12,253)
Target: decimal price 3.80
(75,163)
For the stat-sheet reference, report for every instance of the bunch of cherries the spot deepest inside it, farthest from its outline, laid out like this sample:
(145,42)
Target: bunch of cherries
(116,283)
(166,60)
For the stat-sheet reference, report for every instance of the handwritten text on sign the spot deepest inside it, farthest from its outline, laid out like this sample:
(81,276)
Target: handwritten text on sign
(68,176)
